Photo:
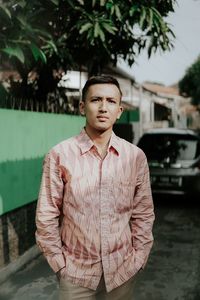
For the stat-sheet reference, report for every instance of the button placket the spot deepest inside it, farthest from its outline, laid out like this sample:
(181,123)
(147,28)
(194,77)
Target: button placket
(104,217)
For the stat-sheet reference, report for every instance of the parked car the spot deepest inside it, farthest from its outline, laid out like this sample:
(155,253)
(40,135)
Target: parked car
(174,160)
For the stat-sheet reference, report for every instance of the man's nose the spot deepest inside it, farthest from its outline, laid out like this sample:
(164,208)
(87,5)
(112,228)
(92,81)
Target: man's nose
(103,105)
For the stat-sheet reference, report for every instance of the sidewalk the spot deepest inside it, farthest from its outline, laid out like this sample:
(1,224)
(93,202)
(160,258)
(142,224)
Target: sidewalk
(35,281)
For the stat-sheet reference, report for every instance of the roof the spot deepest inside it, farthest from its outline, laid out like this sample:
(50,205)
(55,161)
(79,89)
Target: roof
(170,130)
(128,106)
(162,89)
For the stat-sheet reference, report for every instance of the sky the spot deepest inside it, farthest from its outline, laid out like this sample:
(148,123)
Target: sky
(169,67)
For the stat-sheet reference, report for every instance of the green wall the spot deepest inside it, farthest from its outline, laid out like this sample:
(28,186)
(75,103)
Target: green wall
(25,137)
(129,116)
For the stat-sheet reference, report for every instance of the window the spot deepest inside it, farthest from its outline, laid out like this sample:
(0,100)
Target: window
(175,147)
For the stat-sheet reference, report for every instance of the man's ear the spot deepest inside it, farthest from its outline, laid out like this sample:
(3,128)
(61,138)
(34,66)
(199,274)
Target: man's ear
(120,112)
(82,108)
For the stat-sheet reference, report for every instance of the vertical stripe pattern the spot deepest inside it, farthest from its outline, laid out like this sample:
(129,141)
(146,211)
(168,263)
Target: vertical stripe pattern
(95,215)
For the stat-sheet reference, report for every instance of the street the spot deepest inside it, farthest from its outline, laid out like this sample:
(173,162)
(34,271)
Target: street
(172,272)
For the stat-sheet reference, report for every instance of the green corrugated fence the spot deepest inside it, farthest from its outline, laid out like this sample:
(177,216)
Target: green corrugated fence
(25,137)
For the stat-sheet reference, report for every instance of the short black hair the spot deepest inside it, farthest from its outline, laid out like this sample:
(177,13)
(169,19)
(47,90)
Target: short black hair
(101,79)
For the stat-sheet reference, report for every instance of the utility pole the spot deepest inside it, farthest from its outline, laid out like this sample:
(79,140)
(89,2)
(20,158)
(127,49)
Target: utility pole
(140,109)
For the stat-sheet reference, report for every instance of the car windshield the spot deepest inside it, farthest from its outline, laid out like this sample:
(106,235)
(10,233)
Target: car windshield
(175,147)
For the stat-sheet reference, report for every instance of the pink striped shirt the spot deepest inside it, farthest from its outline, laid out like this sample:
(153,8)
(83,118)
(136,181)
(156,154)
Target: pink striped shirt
(94,216)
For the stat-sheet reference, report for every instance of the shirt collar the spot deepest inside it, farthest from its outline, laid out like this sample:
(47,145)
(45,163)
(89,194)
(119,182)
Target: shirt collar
(114,143)
(86,143)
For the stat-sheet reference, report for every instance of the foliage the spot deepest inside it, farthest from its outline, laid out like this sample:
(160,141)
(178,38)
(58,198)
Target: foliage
(122,29)
(189,85)
(63,34)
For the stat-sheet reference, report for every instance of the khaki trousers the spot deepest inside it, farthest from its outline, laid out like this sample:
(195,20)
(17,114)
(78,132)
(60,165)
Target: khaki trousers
(69,291)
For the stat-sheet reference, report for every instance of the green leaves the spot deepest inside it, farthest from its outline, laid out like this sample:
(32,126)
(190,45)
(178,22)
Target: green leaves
(109,27)
(22,38)
(142,17)
(16,52)
(189,84)
(96,27)
(101,2)
(155,32)
(97,30)
(85,27)
(56,2)
(77,31)
(115,10)
(4,11)
(38,54)
(45,36)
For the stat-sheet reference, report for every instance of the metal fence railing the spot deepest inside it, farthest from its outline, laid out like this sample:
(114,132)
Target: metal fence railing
(52,105)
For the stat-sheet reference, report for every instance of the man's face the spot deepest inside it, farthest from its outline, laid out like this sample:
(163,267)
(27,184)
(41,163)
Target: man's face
(101,107)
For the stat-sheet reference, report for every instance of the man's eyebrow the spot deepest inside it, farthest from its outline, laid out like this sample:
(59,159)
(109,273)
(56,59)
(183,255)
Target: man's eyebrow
(100,97)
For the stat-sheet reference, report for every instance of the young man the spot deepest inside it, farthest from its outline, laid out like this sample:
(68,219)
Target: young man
(95,211)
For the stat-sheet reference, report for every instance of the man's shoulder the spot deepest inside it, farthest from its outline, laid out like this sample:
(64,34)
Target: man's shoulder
(131,148)
(66,142)
(64,145)
(127,144)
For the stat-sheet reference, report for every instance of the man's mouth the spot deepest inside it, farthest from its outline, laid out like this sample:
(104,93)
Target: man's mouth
(102,118)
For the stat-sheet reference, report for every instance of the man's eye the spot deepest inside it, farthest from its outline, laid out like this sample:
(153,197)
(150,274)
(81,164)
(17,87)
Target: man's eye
(111,101)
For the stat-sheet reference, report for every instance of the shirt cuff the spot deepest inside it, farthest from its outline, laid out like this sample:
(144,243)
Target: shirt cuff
(140,261)
(56,262)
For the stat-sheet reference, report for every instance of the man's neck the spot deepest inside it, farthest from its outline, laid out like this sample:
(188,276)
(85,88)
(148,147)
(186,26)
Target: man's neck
(100,138)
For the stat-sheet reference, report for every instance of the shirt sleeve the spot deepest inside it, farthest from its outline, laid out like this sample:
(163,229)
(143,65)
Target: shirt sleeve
(48,213)
(143,213)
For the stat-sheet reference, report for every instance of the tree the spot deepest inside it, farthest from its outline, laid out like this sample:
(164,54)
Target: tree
(189,85)
(48,36)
